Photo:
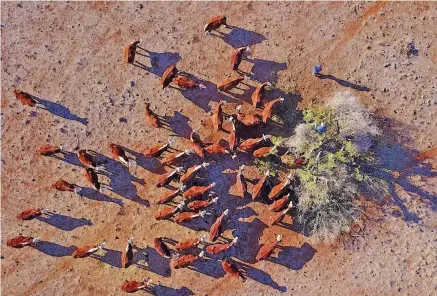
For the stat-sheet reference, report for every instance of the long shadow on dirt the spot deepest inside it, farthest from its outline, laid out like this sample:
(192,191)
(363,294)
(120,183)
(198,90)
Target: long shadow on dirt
(65,222)
(151,164)
(209,267)
(93,194)
(261,277)
(265,70)
(111,257)
(344,83)
(120,179)
(202,97)
(54,249)
(179,124)
(161,290)
(60,110)
(239,37)
(159,61)
(148,259)
(294,258)
(397,166)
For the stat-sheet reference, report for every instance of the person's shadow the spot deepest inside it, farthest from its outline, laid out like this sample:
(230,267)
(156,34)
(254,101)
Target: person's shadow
(343,82)
(61,111)
(64,222)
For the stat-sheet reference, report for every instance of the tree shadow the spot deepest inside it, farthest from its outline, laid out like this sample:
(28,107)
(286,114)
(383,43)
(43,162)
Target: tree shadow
(264,70)
(294,258)
(54,249)
(61,111)
(111,257)
(179,124)
(396,165)
(261,277)
(343,82)
(161,290)
(295,225)
(159,61)
(239,37)
(153,262)
(64,222)
(93,194)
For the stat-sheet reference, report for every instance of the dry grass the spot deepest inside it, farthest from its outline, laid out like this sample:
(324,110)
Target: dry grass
(329,184)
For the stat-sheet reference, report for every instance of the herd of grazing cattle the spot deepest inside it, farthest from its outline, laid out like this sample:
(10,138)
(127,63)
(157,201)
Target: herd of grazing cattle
(191,205)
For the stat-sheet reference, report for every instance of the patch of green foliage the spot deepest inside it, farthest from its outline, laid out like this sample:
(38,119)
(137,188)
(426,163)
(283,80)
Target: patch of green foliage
(266,164)
(329,182)
(292,91)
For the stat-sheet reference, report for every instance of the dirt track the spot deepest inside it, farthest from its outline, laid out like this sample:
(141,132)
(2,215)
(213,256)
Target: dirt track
(70,54)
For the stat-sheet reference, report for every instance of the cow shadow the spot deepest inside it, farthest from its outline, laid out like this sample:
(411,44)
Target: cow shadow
(248,234)
(209,267)
(203,97)
(159,61)
(61,111)
(264,70)
(148,259)
(54,249)
(120,179)
(239,37)
(151,164)
(243,94)
(65,222)
(161,290)
(342,82)
(69,157)
(294,258)
(111,257)
(198,224)
(261,277)
(93,194)
(179,124)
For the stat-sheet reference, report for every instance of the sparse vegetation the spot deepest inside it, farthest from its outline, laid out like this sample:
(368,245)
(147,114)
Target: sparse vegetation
(329,183)
(292,91)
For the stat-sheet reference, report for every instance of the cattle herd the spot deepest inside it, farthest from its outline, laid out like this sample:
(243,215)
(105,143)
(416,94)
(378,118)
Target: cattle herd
(193,199)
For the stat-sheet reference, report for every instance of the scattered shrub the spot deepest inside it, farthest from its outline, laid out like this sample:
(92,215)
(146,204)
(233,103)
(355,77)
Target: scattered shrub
(332,180)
